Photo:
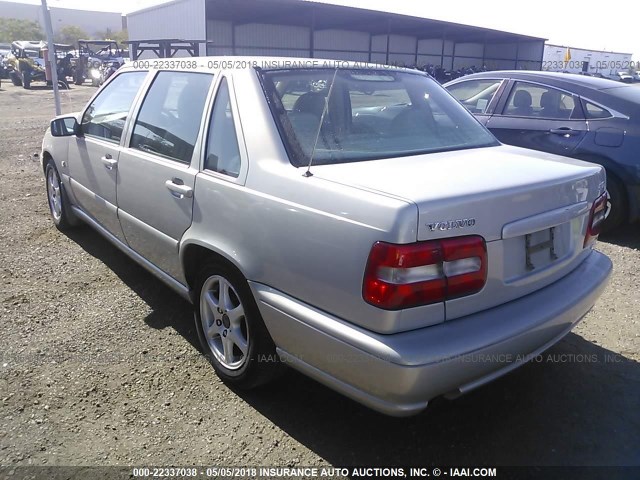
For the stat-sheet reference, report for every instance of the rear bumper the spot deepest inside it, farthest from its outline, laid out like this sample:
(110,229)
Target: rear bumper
(398,374)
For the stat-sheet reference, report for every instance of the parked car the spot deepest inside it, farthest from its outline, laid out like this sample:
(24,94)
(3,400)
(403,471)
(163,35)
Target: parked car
(625,77)
(636,76)
(356,223)
(572,115)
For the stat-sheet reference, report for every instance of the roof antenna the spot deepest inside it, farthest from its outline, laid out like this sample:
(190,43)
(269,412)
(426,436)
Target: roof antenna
(324,113)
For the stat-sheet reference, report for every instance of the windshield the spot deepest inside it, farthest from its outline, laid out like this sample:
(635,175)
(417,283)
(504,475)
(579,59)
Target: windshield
(371,114)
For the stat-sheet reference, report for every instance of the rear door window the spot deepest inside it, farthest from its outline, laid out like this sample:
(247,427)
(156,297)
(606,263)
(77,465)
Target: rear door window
(539,101)
(171,114)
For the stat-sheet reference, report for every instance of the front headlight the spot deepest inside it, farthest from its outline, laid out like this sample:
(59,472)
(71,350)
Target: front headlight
(95,74)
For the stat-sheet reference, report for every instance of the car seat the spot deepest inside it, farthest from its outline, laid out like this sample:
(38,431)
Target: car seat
(522,102)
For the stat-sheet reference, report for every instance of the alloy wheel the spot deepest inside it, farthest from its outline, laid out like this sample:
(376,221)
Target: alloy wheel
(224,323)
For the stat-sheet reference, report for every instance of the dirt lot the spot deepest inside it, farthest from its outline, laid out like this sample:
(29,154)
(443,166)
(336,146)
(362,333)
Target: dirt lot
(99,363)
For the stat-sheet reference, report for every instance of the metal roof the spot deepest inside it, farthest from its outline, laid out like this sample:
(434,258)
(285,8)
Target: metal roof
(322,16)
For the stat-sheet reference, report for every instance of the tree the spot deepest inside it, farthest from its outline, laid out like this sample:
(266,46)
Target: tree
(121,37)
(12,29)
(103,34)
(70,34)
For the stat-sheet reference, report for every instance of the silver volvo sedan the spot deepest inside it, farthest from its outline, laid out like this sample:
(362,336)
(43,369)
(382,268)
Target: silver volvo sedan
(350,221)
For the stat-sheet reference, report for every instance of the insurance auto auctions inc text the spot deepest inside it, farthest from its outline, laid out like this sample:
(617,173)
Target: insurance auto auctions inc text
(375,472)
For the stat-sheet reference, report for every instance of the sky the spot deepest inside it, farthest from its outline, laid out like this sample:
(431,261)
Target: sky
(591,25)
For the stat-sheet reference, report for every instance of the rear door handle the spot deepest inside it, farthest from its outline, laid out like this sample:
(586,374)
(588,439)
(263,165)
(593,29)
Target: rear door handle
(564,131)
(178,189)
(109,162)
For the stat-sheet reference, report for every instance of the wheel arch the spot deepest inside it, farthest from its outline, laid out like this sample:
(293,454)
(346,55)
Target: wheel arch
(46,157)
(193,253)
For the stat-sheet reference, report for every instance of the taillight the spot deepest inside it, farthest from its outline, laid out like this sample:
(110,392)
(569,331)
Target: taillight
(405,276)
(597,217)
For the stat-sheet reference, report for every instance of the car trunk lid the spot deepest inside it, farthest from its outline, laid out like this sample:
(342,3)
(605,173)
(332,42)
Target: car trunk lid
(530,207)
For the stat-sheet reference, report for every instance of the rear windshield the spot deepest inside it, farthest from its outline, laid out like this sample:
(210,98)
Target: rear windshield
(366,115)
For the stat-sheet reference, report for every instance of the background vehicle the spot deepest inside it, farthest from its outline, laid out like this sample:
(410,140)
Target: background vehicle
(96,58)
(625,77)
(26,63)
(66,61)
(5,50)
(573,115)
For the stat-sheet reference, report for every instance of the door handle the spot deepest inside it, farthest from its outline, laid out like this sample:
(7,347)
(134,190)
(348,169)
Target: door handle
(109,162)
(179,190)
(564,131)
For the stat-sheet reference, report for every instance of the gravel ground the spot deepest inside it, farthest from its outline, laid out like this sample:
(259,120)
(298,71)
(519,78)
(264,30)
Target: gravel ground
(100,364)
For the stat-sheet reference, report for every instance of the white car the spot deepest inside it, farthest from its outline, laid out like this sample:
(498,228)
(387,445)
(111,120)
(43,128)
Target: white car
(625,77)
(354,222)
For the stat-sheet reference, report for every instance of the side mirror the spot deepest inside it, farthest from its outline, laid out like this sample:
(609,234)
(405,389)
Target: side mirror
(65,127)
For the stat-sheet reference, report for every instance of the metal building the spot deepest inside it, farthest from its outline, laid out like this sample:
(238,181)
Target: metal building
(297,28)
(559,58)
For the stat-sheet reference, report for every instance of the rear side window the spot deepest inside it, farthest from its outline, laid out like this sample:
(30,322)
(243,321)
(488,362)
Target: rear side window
(476,95)
(170,116)
(106,116)
(594,111)
(223,154)
(527,100)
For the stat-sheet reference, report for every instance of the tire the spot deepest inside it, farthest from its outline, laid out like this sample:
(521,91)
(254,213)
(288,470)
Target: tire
(230,328)
(16,79)
(26,79)
(617,204)
(59,208)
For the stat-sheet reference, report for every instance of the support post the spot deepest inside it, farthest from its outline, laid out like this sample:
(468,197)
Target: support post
(52,55)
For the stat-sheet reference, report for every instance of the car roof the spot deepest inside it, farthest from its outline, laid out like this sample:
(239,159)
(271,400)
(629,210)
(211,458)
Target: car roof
(554,78)
(272,63)
(29,44)
(623,97)
(98,42)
